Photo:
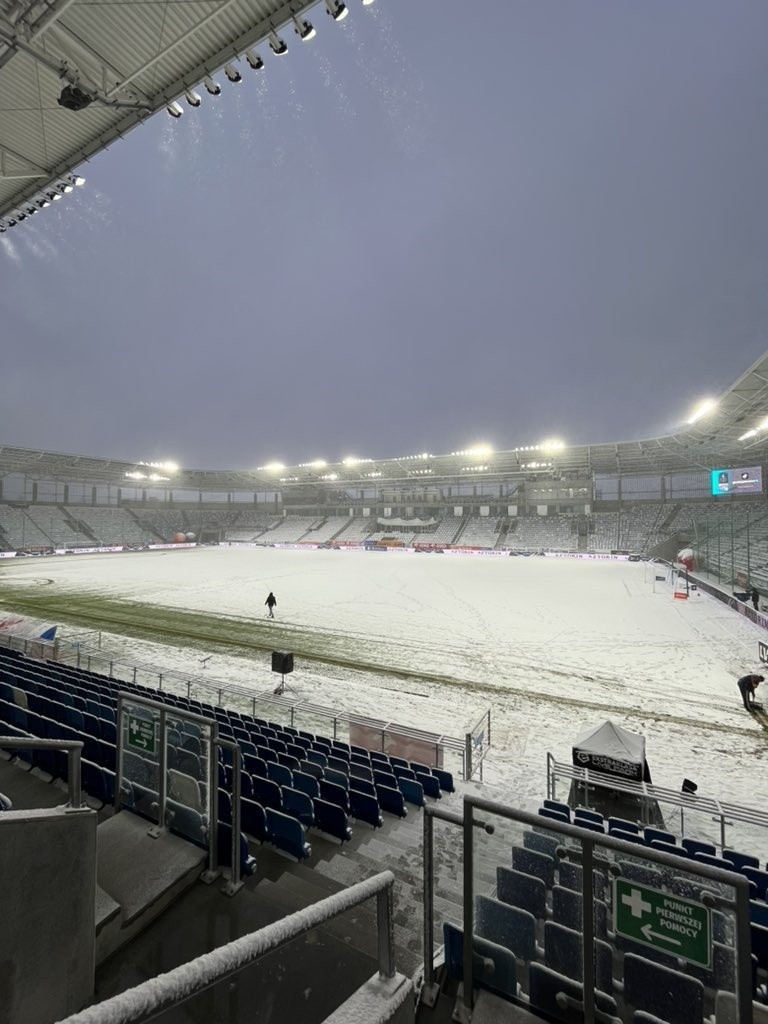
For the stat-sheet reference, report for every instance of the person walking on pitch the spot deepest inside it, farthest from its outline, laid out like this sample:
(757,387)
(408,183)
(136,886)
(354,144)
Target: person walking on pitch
(270,603)
(747,686)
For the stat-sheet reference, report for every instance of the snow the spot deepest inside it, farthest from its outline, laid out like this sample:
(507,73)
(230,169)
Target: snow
(553,646)
(182,982)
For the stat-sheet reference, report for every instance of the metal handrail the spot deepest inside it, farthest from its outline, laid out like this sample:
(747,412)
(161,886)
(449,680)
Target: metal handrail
(152,997)
(647,792)
(589,841)
(429,988)
(72,747)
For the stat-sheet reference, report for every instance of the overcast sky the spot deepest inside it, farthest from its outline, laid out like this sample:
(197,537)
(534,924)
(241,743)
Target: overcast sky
(417,232)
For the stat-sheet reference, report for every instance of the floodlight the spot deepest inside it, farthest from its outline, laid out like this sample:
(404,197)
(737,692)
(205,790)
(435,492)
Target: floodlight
(76,179)
(274,467)
(303,29)
(54,196)
(22,216)
(254,60)
(213,88)
(42,203)
(232,74)
(277,45)
(367,3)
(481,450)
(749,433)
(74,98)
(552,444)
(11,222)
(351,460)
(31,210)
(337,10)
(65,187)
(2,229)
(175,109)
(318,463)
(702,409)
(193,98)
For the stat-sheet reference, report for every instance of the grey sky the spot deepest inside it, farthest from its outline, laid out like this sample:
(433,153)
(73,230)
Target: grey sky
(414,233)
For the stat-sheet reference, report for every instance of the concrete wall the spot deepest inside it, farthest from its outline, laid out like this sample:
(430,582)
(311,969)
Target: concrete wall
(47,938)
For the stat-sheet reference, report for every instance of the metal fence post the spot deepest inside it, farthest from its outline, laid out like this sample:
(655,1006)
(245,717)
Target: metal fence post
(74,772)
(386,933)
(429,989)
(588,926)
(469,899)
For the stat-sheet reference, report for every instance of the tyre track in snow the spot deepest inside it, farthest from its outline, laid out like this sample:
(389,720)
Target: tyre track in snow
(164,624)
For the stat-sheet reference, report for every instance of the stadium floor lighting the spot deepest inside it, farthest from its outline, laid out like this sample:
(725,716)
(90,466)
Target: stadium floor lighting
(277,45)
(254,60)
(337,10)
(213,88)
(304,29)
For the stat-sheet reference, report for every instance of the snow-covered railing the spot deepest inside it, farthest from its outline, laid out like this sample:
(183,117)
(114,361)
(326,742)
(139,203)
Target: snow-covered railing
(167,990)
(72,748)
(648,796)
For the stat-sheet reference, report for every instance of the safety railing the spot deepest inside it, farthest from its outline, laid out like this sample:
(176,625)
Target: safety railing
(73,750)
(430,989)
(144,738)
(177,986)
(375,733)
(647,796)
(726,890)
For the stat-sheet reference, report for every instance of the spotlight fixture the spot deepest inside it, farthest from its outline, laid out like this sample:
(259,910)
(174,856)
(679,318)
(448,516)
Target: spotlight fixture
(232,74)
(175,109)
(304,29)
(367,3)
(254,60)
(2,229)
(337,10)
(211,86)
(277,45)
(73,98)
(42,203)
(193,98)
(11,222)
(65,187)
(53,196)
(76,179)
(30,210)
(22,216)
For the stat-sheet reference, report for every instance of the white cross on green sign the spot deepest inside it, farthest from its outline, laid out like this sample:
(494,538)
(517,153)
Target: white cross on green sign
(141,734)
(664,921)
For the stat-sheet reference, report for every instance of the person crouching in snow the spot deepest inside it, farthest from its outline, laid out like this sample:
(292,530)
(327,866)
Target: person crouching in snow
(747,686)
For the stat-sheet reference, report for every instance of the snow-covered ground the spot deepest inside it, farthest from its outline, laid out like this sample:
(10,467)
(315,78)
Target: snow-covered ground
(551,645)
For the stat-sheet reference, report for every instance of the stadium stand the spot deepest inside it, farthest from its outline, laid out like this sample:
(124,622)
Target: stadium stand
(479,532)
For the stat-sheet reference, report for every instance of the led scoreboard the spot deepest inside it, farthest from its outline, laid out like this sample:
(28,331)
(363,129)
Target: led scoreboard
(746,480)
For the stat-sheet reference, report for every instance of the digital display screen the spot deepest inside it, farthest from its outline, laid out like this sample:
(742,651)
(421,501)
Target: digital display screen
(746,480)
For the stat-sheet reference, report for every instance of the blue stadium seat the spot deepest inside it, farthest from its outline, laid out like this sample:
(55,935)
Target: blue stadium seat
(186,821)
(361,771)
(253,820)
(563,952)
(255,765)
(339,765)
(411,790)
(531,862)
(589,826)
(365,807)
(336,777)
(335,794)
(382,778)
(403,772)
(587,814)
(332,820)
(307,784)
(266,753)
(507,926)
(429,784)
(570,876)
(628,837)
(362,760)
(299,806)
(760,878)
(445,779)
(662,991)
(287,834)
(391,800)
(649,834)
(759,936)
(557,805)
(280,774)
(493,967)
(561,998)
(522,891)
(289,761)
(553,815)
(741,860)
(542,843)
(267,793)
(567,907)
(362,786)
(312,768)
(623,825)
(247,862)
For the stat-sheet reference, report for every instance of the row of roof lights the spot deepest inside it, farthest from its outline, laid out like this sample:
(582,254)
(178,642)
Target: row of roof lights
(303,29)
(763,425)
(52,194)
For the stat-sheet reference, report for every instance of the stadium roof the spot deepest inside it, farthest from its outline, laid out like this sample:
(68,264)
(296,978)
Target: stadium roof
(733,433)
(119,61)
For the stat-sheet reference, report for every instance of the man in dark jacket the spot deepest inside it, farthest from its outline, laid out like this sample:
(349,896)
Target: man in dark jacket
(755,598)
(747,686)
(270,603)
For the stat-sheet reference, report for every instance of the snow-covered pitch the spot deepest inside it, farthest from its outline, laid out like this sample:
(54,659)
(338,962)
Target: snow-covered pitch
(551,645)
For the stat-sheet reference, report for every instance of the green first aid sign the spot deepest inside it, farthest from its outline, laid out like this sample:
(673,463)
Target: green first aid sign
(141,734)
(668,923)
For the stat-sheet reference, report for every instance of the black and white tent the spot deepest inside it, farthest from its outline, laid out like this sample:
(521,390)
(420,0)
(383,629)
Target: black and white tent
(613,751)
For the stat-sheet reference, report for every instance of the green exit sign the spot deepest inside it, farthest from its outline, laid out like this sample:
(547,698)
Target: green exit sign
(666,922)
(141,734)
